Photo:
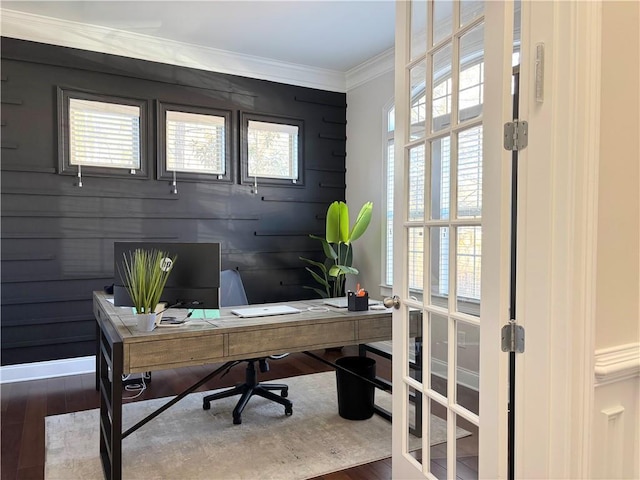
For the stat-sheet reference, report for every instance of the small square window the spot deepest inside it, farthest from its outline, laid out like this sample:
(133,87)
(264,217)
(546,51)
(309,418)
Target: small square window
(194,143)
(272,150)
(101,134)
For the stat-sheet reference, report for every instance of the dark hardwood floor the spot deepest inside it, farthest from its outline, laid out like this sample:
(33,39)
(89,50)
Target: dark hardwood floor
(24,406)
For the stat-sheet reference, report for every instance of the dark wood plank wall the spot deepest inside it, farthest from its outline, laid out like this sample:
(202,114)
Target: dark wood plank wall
(57,238)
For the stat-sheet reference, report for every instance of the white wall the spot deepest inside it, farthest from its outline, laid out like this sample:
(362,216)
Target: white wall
(615,443)
(365,174)
(618,287)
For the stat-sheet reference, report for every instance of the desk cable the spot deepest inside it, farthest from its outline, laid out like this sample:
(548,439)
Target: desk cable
(318,309)
(133,387)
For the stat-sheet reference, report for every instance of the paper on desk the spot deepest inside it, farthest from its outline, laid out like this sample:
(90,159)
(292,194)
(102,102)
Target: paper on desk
(205,313)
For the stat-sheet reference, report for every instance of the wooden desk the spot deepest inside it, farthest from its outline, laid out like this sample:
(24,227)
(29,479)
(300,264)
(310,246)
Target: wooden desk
(122,349)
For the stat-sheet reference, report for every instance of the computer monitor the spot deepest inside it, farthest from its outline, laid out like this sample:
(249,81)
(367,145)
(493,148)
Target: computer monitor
(194,281)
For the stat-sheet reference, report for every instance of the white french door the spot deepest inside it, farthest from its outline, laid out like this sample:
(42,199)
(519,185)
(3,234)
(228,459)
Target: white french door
(451,238)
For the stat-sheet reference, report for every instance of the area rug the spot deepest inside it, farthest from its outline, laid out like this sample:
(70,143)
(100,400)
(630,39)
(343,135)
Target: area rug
(190,443)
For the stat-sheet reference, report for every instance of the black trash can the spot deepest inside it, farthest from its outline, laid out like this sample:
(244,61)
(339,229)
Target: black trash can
(355,396)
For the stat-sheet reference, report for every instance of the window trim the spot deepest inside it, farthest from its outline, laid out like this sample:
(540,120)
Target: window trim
(64,95)
(244,147)
(387,136)
(164,174)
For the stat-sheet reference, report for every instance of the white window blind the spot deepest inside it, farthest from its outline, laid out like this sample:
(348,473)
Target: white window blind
(104,134)
(272,150)
(389,213)
(195,143)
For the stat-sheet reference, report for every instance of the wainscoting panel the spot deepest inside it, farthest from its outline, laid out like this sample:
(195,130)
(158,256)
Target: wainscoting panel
(616,413)
(57,238)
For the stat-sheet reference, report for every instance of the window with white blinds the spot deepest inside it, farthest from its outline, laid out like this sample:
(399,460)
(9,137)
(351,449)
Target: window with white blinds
(195,143)
(272,150)
(104,134)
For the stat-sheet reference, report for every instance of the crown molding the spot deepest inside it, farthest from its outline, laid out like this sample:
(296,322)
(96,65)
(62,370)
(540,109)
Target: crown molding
(372,68)
(65,33)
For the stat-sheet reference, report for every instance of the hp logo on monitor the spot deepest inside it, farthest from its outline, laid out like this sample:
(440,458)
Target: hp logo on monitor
(166,264)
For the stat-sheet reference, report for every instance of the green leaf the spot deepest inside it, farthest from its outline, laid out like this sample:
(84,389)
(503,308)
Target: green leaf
(322,281)
(337,223)
(345,255)
(337,270)
(320,265)
(329,252)
(362,222)
(322,293)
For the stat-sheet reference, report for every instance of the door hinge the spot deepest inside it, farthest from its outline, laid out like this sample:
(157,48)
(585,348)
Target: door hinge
(512,337)
(516,135)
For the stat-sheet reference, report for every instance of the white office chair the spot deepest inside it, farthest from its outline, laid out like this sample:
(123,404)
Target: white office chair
(232,294)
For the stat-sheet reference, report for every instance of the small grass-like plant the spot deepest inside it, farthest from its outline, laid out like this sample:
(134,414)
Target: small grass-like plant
(145,275)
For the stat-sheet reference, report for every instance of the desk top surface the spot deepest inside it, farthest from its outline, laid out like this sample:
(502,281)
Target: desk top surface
(311,311)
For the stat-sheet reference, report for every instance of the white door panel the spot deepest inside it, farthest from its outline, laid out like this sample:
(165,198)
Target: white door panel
(451,234)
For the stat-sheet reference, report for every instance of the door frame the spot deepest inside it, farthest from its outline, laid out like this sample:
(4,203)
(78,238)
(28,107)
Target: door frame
(557,236)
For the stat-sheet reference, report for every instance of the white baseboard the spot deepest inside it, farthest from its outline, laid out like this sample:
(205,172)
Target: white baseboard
(50,369)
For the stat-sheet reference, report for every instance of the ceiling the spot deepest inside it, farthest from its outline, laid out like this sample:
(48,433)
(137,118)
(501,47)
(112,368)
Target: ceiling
(332,35)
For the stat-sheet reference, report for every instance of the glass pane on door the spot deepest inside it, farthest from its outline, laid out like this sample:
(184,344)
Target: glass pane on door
(418,29)
(468,363)
(468,270)
(417,111)
(466,449)
(438,353)
(439,262)
(442,20)
(471,69)
(440,176)
(438,451)
(441,88)
(469,166)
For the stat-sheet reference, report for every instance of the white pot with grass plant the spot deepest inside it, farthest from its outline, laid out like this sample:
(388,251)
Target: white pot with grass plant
(145,275)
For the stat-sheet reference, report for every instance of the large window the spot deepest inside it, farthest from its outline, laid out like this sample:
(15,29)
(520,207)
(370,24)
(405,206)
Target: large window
(102,134)
(271,150)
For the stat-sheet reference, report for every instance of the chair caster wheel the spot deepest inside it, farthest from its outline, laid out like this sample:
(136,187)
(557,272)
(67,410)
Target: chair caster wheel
(284,393)
(206,405)
(237,420)
(288,411)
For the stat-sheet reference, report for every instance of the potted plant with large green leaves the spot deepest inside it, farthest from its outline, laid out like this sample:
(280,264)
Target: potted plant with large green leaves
(338,249)
(145,275)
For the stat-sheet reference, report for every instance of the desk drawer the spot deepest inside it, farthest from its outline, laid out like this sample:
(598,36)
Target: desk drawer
(161,354)
(373,329)
(291,338)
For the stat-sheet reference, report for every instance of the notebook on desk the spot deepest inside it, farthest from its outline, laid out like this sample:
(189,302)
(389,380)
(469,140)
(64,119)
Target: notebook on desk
(248,312)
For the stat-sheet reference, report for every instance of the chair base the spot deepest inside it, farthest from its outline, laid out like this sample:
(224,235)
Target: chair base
(250,388)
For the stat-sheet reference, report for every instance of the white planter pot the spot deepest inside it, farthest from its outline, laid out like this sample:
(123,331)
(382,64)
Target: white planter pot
(146,321)
(160,308)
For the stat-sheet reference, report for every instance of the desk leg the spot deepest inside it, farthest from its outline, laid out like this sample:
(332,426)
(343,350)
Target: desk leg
(98,331)
(110,406)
